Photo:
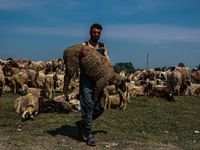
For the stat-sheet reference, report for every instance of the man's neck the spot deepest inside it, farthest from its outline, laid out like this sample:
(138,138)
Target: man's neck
(93,44)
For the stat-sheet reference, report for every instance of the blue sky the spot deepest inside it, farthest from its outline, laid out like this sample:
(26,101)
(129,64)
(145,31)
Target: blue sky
(168,30)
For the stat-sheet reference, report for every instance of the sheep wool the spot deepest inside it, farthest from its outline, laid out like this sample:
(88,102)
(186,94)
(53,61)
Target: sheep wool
(90,63)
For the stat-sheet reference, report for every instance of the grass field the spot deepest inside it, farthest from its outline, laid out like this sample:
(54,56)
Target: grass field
(146,124)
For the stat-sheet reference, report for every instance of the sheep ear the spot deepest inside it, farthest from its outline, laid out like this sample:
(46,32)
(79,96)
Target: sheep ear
(112,78)
(127,80)
(188,83)
(173,68)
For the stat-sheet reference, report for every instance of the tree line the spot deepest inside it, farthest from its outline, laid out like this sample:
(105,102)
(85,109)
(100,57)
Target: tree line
(129,68)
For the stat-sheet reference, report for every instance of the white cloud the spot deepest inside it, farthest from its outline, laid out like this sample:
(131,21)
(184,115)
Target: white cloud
(145,33)
(15,4)
(153,33)
(21,4)
(70,31)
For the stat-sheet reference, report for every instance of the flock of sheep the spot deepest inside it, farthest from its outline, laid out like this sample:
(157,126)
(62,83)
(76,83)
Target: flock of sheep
(38,82)
(176,80)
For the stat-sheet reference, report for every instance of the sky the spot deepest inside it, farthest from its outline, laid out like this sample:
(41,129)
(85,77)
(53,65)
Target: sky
(167,30)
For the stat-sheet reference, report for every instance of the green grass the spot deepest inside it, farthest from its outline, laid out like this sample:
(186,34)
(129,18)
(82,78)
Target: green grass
(146,124)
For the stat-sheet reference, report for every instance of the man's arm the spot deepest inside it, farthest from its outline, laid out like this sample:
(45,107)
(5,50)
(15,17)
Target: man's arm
(106,53)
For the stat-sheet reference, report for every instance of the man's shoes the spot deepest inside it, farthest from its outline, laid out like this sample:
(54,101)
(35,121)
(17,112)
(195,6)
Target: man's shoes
(80,129)
(91,141)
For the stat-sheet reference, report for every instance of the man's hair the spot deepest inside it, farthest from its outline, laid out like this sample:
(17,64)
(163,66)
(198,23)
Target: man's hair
(96,25)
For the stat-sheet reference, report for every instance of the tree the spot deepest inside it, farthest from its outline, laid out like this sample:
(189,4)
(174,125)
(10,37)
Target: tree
(128,67)
(198,67)
(157,69)
(164,68)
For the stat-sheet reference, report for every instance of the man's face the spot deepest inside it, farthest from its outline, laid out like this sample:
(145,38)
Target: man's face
(95,34)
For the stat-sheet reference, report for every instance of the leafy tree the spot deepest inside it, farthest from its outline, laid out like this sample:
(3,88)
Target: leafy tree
(198,67)
(157,69)
(128,67)
(117,68)
(164,68)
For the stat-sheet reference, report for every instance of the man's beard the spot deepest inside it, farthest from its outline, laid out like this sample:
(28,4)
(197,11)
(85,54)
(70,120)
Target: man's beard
(94,39)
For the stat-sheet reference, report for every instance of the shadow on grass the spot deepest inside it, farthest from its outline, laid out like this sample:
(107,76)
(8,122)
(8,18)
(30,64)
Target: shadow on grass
(71,132)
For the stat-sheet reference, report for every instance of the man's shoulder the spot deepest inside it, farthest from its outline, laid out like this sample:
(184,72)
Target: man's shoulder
(101,44)
(84,43)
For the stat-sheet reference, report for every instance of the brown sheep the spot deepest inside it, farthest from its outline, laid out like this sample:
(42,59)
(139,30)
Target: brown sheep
(163,75)
(108,90)
(51,106)
(197,91)
(186,73)
(53,83)
(40,79)
(137,90)
(91,64)
(2,83)
(192,89)
(123,73)
(74,102)
(196,76)
(59,83)
(175,81)
(162,92)
(146,74)
(132,75)
(122,90)
(114,101)
(186,76)
(1,71)
(158,74)
(35,65)
(10,71)
(32,76)
(34,91)
(21,61)
(140,82)
(19,79)
(49,86)
(56,64)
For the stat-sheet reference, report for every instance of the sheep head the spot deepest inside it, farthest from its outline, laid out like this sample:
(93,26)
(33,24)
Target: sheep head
(119,82)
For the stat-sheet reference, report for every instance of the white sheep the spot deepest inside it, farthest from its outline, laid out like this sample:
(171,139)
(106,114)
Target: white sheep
(27,106)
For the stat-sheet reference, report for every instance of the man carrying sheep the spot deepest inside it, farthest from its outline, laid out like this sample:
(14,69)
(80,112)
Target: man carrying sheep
(89,110)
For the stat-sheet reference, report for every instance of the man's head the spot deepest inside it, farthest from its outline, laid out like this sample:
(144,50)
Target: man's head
(95,32)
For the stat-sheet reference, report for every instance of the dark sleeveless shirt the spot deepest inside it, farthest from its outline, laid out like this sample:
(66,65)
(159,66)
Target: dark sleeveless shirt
(100,49)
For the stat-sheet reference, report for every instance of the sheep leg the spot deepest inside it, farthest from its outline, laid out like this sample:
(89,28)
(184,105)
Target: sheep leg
(24,115)
(127,95)
(14,85)
(3,88)
(25,112)
(53,93)
(121,102)
(128,98)
(17,87)
(106,102)
(33,83)
(31,116)
(99,86)
(106,94)
(109,103)
(67,79)
(50,92)
(123,98)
